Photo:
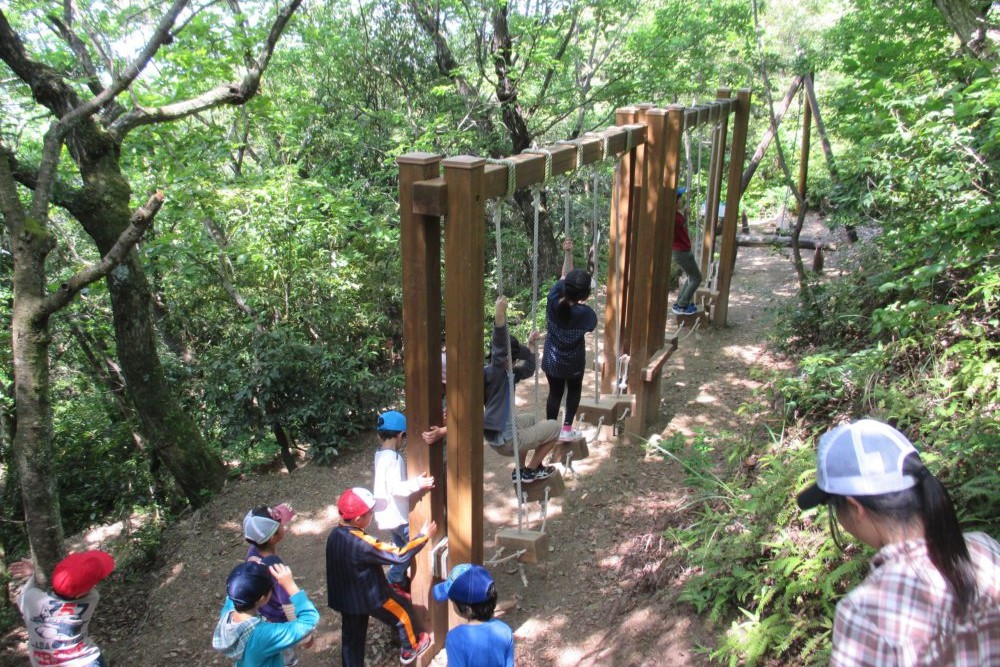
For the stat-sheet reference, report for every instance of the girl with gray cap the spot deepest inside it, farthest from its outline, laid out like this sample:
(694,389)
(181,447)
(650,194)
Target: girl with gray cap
(932,596)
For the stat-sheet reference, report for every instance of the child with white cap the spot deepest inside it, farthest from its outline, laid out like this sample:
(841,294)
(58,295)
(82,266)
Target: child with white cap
(356,583)
(58,621)
(484,641)
(932,596)
(264,527)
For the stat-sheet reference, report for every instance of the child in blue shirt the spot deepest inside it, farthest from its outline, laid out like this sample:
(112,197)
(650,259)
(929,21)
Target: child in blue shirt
(485,641)
(243,634)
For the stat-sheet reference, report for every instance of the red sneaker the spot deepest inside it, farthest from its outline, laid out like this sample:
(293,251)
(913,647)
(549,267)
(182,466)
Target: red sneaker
(408,655)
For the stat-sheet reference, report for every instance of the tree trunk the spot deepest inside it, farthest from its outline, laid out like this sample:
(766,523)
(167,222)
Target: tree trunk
(33,449)
(171,433)
(968,20)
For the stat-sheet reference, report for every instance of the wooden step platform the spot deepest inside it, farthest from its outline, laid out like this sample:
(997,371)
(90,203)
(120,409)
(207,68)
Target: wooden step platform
(535,491)
(578,448)
(612,408)
(534,543)
(691,320)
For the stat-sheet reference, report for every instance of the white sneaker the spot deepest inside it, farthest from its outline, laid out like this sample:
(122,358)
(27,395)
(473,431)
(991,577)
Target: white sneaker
(569,435)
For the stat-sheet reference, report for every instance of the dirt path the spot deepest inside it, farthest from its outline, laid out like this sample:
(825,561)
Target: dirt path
(605,596)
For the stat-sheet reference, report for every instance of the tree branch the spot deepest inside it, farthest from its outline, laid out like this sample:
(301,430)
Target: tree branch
(141,220)
(62,195)
(235,93)
(550,72)
(160,37)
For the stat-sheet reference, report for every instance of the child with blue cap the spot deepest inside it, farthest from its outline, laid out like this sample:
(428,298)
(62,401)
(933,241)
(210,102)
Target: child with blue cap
(485,641)
(392,486)
(243,634)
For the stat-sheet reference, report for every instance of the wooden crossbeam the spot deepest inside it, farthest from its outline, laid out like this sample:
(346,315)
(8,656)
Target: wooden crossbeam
(430,196)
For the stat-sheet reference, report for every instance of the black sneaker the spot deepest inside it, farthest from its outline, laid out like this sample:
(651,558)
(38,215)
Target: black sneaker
(527,475)
(542,472)
(408,655)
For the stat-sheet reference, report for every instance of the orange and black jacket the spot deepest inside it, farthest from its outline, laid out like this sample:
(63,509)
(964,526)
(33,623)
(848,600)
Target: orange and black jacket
(355,581)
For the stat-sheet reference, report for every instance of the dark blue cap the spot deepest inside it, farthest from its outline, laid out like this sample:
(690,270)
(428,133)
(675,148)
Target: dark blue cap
(248,583)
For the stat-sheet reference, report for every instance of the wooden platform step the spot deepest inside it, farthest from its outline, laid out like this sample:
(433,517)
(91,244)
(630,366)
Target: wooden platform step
(578,448)
(610,407)
(691,320)
(535,491)
(534,543)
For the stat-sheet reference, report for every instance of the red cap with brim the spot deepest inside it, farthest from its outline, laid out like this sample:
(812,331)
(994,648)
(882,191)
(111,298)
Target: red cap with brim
(77,574)
(357,501)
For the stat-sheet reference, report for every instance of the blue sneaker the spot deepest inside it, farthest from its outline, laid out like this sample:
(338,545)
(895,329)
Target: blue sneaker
(690,309)
(677,309)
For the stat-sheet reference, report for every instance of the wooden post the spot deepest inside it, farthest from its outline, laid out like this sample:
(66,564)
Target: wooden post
(727,255)
(618,260)
(663,176)
(464,308)
(643,244)
(714,190)
(421,254)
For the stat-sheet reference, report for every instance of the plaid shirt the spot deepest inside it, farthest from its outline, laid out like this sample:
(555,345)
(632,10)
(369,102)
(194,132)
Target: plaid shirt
(902,613)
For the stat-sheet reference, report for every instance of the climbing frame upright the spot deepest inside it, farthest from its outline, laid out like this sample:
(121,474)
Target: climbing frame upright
(455,190)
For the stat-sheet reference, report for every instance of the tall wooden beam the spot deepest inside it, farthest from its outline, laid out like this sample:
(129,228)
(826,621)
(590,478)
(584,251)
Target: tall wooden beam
(421,255)
(663,175)
(615,339)
(641,269)
(713,192)
(727,255)
(464,307)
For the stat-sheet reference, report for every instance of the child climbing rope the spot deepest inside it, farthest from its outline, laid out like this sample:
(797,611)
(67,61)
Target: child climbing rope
(564,358)
(538,437)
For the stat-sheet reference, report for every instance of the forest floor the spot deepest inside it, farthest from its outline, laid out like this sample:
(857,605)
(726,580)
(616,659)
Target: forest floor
(607,593)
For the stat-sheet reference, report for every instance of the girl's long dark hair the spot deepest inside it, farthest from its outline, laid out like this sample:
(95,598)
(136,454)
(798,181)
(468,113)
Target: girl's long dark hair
(575,288)
(945,543)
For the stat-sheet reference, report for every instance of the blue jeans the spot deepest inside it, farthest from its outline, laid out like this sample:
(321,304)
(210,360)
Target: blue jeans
(685,259)
(400,537)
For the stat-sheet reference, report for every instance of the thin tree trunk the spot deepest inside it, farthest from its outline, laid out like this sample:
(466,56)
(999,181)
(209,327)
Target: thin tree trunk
(772,129)
(831,165)
(33,452)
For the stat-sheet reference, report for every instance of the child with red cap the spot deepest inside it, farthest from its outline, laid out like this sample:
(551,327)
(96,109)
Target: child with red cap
(356,583)
(264,527)
(57,622)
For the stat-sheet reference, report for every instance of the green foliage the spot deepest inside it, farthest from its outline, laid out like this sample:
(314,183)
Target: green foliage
(758,557)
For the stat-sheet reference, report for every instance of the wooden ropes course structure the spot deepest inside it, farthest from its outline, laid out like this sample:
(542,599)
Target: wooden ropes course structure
(438,192)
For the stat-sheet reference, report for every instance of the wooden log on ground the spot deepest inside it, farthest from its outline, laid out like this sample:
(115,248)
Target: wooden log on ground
(783,241)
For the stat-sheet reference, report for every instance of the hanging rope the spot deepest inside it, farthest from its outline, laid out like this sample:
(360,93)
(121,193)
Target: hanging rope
(537,200)
(497,214)
(594,245)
